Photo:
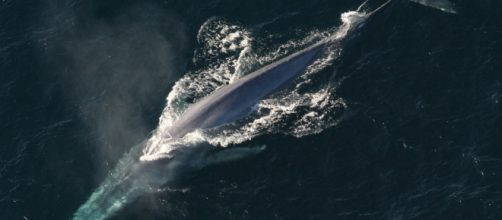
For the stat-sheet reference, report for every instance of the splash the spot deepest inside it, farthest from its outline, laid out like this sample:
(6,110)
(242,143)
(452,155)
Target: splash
(227,53)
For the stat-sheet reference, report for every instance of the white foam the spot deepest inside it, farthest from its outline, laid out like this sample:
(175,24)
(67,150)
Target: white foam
(293,113)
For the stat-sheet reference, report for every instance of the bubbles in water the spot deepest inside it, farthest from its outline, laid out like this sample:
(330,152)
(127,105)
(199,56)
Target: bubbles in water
(216,37)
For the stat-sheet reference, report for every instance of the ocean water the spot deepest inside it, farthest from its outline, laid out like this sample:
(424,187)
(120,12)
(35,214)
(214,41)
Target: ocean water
(400,121)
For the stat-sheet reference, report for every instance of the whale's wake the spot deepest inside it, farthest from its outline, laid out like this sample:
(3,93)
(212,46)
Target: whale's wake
(231,52)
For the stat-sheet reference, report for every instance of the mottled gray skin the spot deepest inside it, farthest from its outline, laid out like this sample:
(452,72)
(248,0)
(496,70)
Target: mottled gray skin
(231,102)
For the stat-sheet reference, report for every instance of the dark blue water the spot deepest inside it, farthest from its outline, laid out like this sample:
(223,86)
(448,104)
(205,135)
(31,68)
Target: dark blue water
(81,82)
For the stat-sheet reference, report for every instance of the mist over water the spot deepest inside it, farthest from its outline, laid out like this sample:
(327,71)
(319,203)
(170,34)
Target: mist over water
(117,69)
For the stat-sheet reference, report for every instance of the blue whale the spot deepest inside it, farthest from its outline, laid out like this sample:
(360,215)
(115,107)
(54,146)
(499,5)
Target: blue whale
(132,177)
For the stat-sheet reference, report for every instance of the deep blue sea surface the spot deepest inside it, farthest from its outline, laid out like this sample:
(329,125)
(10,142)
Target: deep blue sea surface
(404,121)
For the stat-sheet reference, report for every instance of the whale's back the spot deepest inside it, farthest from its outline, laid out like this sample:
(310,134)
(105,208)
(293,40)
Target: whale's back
(230,102)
